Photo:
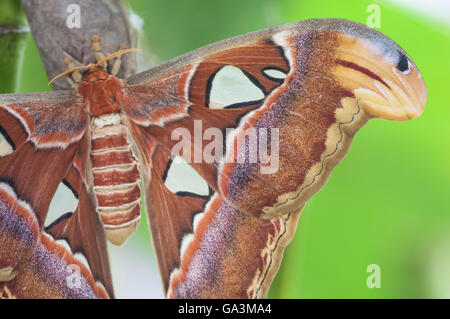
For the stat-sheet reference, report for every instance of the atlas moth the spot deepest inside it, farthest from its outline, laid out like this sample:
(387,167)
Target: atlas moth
(219,228)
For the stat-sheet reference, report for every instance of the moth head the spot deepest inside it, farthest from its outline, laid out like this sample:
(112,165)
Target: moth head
(384,79)
(91,68)
(94,73)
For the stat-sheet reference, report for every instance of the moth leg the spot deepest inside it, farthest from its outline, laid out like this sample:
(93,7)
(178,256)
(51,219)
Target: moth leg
(75,77)
(117,62)
(97,50)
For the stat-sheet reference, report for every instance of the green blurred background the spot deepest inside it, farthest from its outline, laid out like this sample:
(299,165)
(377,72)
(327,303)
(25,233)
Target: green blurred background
(387,203)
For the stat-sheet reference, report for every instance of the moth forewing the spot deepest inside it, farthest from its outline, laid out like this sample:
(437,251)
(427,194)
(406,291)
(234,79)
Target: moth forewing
(315,97)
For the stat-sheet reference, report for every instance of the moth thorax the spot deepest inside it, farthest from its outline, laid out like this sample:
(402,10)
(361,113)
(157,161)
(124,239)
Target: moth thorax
(101,92)
(116,177)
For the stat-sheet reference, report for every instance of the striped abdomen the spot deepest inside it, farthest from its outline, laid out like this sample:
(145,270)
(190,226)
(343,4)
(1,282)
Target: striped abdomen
(116,177)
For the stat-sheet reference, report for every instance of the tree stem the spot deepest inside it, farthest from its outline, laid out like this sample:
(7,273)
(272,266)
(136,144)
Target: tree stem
(13,34)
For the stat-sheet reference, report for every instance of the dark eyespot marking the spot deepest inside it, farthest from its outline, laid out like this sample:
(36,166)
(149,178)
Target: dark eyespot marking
(403,64)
